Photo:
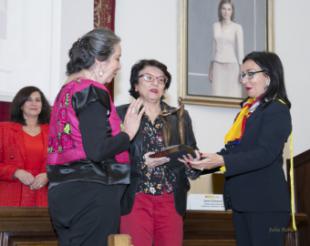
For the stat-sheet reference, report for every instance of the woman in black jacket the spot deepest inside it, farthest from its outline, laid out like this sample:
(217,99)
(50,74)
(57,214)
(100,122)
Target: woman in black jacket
(255,186)
(155,200)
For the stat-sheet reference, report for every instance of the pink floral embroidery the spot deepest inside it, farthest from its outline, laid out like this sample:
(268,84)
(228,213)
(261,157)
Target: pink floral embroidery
(62,115)
(52,145)
(66,141)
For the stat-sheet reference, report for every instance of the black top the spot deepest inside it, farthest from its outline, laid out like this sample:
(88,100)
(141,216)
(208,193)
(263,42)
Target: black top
(255,179)
(92,107)
(96,134)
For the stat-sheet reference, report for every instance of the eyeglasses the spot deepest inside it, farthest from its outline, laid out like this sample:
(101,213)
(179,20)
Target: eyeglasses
(162,80)
(250,74)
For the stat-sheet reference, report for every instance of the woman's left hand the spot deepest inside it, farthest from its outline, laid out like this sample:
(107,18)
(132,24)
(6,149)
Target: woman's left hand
(154,162)
(39,181)
(208,161)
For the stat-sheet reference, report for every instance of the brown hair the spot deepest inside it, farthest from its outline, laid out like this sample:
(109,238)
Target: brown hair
(19,100)
(219,13)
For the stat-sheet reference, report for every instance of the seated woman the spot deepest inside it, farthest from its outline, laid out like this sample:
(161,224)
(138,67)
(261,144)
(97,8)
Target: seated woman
(155,201)
(23,150)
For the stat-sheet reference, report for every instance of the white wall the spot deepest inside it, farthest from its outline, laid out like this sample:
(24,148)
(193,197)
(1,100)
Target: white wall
(149,29)
(25,49)
(34,49)
(292,39)
(76,19)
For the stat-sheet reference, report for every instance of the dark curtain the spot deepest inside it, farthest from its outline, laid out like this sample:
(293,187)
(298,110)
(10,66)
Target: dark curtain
(4,111)
(104,13)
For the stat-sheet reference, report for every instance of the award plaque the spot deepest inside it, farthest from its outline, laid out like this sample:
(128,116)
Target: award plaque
(175,152)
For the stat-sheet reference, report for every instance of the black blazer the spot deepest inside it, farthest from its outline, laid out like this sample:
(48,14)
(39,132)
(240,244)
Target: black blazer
(254,178)
(182,184)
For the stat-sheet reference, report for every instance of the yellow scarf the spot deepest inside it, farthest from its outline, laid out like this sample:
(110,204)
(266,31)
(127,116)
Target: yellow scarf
(236,131)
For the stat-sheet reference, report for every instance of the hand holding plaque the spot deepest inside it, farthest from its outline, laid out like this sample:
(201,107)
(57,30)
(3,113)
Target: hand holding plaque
(175,151)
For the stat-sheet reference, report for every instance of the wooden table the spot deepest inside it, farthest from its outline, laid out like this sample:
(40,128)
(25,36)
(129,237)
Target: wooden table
(26,227)
(32,227)
(206,228)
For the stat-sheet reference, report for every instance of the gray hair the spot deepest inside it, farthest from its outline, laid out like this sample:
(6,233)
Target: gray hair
(96,44)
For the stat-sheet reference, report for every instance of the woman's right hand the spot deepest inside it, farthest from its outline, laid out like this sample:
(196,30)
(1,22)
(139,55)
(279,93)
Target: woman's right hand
(208,161)
(133,117)
(24,177)
(154,162)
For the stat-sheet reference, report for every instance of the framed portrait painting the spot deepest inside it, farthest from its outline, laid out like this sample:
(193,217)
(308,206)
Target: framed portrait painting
(214,37)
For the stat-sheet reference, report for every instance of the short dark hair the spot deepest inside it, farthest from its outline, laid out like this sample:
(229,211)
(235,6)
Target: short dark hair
(96,44)
(272,66)
(140,65)
(19,100)
(219,12)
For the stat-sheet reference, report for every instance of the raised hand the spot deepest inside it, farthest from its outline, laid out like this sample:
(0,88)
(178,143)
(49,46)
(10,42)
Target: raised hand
(133,118)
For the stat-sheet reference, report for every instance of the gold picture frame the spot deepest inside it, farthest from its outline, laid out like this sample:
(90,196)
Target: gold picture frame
(190,16)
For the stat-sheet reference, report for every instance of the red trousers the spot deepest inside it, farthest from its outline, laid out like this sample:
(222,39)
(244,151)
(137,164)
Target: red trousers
(153,221)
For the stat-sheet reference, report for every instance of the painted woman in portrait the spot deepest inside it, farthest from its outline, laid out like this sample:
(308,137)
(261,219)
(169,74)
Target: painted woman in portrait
(227,53)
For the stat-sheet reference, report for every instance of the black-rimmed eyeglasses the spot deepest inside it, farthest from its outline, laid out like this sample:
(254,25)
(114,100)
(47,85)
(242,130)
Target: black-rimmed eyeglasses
(250,74)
